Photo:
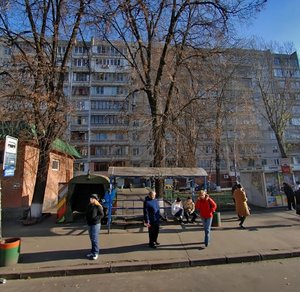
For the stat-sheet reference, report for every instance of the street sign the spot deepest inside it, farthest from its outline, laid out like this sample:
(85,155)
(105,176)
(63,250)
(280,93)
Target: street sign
(10,156)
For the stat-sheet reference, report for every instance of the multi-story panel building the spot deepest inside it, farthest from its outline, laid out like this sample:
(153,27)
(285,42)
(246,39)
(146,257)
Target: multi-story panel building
(98,83)
(111,126)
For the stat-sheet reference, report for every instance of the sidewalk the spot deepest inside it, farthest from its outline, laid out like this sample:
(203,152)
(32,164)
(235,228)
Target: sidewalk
(49,249)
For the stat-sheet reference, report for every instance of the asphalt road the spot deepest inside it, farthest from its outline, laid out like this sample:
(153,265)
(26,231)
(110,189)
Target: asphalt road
(276,275)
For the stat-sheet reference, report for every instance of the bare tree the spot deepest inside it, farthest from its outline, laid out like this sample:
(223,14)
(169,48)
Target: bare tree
(276,76)
(157,34)
(41,36)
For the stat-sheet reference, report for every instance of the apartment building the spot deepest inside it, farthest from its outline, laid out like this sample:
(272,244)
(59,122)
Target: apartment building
(110,126)
(97,85)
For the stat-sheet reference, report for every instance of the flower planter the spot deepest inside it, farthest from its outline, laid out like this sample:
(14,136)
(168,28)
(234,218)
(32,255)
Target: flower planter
(9,251)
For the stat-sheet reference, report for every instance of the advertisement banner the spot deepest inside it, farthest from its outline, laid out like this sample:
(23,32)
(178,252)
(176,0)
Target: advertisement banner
(10,156)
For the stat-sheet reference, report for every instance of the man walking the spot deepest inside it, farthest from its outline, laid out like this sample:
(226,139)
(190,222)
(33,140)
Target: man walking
(151,218)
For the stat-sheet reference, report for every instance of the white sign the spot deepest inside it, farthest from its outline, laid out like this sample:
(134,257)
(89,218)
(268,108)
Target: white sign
(10,156)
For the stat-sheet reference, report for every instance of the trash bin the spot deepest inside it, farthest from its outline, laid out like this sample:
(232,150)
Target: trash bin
(9,251)
(216,222)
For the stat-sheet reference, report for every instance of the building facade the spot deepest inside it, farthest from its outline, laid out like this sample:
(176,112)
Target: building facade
(111,126)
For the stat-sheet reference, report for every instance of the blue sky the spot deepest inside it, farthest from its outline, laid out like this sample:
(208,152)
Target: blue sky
(279,21)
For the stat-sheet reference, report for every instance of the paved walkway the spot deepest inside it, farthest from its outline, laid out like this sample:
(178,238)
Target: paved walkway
(50,249)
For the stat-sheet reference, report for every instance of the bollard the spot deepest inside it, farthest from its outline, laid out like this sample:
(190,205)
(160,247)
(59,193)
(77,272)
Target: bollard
(216,222)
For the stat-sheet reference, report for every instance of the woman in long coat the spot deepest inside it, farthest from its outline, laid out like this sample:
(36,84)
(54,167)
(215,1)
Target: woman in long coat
(241,205)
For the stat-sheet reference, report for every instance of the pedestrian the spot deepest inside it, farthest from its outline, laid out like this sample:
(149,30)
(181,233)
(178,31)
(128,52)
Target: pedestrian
(94,214)
(189,210)
(206,207)
(241,205)
(151,218)
(297,196)
(288,190)
(177,210)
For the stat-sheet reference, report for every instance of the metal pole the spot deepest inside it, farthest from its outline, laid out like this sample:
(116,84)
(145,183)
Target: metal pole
(0,211)
(109,204)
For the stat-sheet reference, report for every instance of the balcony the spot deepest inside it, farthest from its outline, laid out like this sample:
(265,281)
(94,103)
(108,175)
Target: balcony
(109,157)
(109,142)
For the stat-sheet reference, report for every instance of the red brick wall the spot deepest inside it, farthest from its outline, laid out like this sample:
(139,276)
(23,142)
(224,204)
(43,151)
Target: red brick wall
(17,191)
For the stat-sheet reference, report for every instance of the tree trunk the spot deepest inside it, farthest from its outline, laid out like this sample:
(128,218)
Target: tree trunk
(40,183)
(159,152)
(281,145)
(218,165)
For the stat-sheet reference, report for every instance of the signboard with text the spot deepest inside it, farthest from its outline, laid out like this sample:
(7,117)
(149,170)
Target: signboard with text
(10,156)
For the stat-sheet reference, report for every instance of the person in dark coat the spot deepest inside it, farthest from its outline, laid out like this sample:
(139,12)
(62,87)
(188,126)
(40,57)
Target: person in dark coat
(288,190)
(297,195)
(94,214)
(151,218)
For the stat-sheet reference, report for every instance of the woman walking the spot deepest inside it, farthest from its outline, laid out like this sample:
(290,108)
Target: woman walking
(206,207)
(94,214)
(241,205)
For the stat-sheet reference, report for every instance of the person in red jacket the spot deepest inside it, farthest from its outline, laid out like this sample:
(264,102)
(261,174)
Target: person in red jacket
(206,207)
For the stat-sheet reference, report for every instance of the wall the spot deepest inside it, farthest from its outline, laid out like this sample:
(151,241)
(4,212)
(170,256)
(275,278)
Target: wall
(17,191)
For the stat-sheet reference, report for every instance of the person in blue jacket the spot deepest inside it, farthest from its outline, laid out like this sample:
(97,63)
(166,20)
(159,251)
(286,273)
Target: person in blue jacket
(151,218)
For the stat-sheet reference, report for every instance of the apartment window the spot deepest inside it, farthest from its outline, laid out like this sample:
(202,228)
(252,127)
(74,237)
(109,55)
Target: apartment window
(264,162)
(119,136)
(80,76)
(119,151)
(277,61)
(98,166)
(108,120)
(208,149)
(102,61)
(101,151)
(276,162)
(99,90)
(83,151)
(121,90)
(80,90)
(101,137)
(102,49)
(278,73)
(80,62)
(100,76)
(296,160)
(81,105)
(82,121)
(79,166)
(61,50)
(251,162)
(136,123)
(204,163)
(135,151)
(80,50)
(295,121)
(275,149)
(55,164)
(7,51)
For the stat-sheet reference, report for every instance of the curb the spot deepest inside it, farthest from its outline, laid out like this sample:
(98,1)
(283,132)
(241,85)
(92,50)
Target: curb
(148,266)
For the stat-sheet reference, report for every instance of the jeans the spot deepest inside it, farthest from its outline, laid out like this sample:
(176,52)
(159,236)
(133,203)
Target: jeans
(94,231)
(206,225)
(179,214)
